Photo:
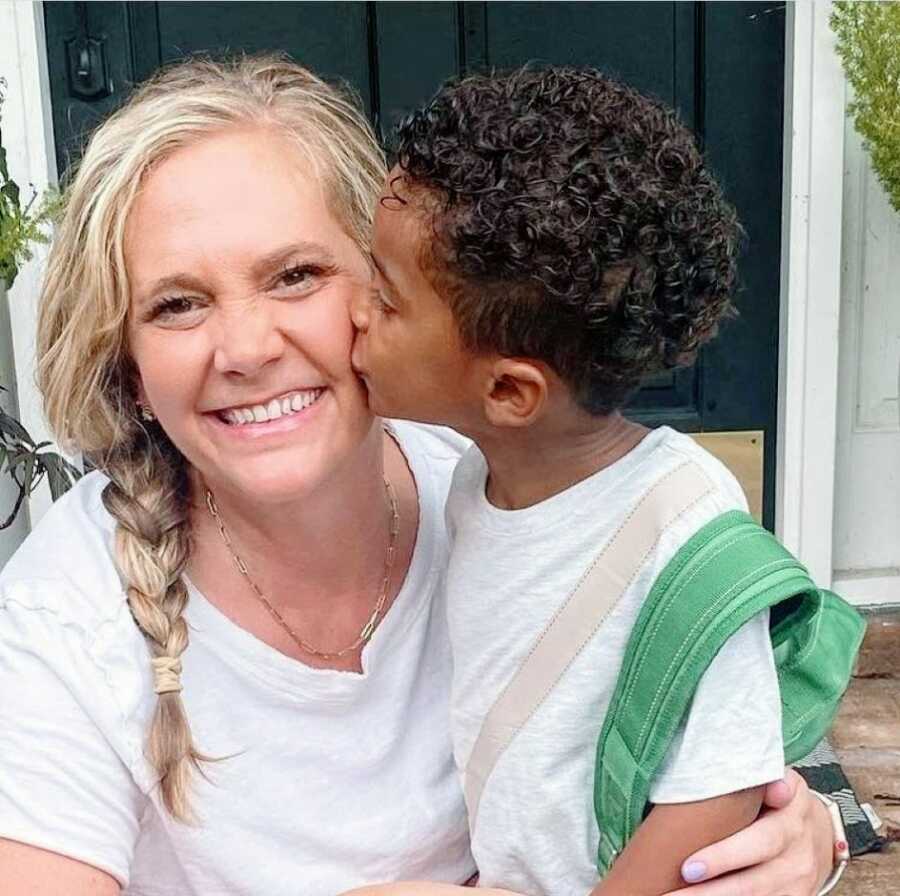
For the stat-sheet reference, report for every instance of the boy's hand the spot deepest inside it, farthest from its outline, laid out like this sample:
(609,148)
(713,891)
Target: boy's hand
(652,862)
(424,888)
(788,851)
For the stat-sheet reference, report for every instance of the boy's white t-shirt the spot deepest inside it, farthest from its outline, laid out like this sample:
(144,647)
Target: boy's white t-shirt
(333,779)
(509,571)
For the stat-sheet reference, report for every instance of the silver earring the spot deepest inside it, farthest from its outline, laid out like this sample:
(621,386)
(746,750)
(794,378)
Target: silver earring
(146,414)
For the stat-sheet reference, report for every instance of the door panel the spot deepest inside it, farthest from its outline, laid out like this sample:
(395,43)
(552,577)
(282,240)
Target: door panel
(330,38)
(418,46)
(720,64)
(639,48)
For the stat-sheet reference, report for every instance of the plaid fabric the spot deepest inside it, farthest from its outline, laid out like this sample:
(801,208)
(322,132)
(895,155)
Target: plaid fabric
(822,771)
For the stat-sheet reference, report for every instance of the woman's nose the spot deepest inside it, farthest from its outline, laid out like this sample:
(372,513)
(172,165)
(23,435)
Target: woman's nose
(248,340)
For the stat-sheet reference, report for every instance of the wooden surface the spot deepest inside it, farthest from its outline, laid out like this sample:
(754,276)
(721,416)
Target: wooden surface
(866,736)
(742,453)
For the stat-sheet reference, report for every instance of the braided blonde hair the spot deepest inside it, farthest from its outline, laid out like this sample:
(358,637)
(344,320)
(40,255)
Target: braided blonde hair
(85,374)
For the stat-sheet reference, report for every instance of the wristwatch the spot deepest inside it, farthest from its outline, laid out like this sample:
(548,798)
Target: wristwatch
(841,847)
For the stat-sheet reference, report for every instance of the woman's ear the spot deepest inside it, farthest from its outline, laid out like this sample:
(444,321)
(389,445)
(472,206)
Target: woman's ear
(516,394)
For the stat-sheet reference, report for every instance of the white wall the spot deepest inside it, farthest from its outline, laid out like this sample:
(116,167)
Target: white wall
(28,138)
(867,482)
(11,537)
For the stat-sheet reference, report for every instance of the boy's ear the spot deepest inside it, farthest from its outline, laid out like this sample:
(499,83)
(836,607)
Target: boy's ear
(517,393)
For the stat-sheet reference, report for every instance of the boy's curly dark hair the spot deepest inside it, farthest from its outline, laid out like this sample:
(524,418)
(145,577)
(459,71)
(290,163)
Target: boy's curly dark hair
(574,222)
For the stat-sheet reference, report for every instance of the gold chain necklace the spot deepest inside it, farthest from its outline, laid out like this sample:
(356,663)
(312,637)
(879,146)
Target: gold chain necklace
(373,620)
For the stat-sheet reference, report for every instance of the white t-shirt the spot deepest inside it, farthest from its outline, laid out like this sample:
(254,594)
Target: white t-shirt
(334,779)
(509,572)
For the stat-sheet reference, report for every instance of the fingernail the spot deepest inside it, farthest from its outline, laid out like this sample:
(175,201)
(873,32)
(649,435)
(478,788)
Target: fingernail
(693,871)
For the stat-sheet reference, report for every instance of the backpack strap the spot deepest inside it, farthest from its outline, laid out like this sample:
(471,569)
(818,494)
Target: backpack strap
(578,618)
(728,572)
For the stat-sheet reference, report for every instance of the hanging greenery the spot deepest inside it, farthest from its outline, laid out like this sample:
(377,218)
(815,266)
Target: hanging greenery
(868,42)
(26,461)
(20,226)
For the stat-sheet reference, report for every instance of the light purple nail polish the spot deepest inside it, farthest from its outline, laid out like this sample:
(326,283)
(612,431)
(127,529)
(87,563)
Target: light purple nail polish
(693,871)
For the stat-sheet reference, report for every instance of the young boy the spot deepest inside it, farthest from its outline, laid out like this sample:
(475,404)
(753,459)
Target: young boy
(548,239)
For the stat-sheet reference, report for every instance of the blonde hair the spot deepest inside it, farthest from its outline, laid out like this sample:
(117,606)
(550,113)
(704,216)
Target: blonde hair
(84,371)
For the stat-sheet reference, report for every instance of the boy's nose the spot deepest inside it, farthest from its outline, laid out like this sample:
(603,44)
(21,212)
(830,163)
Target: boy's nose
(359,309)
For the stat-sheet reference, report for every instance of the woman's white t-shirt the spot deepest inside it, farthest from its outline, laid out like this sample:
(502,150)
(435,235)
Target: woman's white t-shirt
(332,779)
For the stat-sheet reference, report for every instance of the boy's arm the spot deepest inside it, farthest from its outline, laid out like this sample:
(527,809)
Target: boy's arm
(425,888)
(650,864)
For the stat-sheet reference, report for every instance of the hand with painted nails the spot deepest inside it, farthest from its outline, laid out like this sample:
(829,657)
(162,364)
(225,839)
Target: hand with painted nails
(787,851)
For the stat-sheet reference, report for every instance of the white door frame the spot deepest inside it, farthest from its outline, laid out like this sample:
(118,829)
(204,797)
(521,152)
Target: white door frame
(811,244)
(811,284)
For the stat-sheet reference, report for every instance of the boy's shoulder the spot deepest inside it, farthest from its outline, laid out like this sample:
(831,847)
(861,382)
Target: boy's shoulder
(673,448)
(435,442)
(432,453)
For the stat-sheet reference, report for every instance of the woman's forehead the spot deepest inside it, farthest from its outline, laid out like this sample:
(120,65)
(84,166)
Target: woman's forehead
(235,193)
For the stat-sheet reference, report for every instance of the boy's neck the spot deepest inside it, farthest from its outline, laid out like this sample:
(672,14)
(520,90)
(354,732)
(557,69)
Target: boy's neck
(529,465)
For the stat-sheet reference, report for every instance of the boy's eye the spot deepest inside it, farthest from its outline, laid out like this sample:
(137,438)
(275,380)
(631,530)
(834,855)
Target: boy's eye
(383,305)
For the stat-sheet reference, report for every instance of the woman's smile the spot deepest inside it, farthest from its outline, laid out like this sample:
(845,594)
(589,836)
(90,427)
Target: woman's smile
(260,419)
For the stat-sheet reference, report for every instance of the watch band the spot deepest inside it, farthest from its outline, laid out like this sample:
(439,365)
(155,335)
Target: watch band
(841,847)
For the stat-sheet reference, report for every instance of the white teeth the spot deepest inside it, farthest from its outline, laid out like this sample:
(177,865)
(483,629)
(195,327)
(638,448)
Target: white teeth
(277,407)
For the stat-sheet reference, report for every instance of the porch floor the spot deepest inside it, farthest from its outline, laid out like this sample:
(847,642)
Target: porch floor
(866,736)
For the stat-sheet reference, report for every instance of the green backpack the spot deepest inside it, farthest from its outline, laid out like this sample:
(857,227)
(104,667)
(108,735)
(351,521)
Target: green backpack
(726,574)
(731,570)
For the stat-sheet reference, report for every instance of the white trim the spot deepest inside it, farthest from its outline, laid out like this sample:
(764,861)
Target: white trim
(810,294)
(871,588)
(28,137)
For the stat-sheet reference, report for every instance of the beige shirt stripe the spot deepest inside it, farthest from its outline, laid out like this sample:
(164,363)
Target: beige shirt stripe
(574,624)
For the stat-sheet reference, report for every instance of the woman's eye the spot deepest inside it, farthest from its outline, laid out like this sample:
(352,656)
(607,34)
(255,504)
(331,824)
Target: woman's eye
(297,276)
(302,277)
(173,307)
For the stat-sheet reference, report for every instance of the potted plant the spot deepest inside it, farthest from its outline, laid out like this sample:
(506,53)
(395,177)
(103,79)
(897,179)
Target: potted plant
(868,43)
(24,460)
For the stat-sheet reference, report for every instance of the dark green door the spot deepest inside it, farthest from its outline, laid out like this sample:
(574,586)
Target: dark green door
(720,64)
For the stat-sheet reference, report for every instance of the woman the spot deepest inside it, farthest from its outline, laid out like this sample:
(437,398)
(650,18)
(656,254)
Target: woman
(256,537)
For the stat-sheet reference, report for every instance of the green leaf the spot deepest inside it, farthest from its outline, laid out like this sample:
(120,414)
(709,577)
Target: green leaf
(72,471)
(32,473)
(17,459)
(8,272)
(11,190)
(59,471)
(11,428)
